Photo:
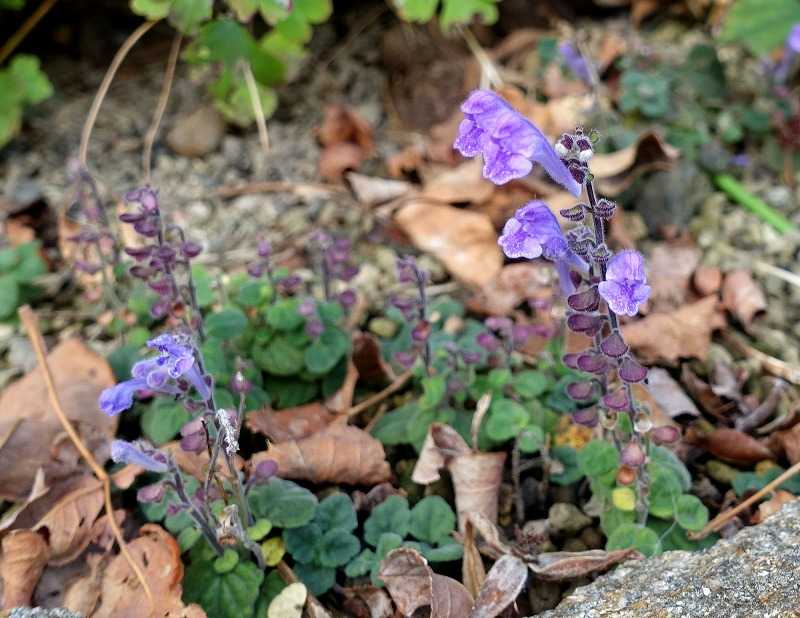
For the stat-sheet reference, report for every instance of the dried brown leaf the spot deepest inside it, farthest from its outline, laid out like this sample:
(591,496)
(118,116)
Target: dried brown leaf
(743,297)
(408,579)
(789,440)
(515,284)
(80,375)
(121,595)
(773,505)
(342,399)
(368,602)
(342,124)
(372,191)
(476,478)
(465,241)
(734,445)
(291,423)
(616,171)
(669,271)
(449,598)
(25,554)
(505,581)
(339,453)
(707,280)
(683,333)
(566,565)
(83,594)
(464,183)
(337,159)
(369,361)
(473,572)
(670,398)
(38,489)
(441,445)
(494,546)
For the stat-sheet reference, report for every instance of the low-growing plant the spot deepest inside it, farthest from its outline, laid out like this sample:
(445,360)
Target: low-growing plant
(22,84)
(19,267)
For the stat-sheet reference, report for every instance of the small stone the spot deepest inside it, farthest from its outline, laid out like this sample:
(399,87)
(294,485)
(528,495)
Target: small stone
(707,280)
(198,133)
(567,518)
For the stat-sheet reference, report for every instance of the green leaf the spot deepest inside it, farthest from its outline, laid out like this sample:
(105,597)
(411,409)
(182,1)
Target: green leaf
(252,293)
(216,360)
(227,323)
(188,537)
(417,10)
(433,391)
(336,511)
(598,458)
(391,515)
(283,314)
(226,562)
(361,564)
(568,457)
(9,296)
(289,393)
(302,542)
(337,548)
(392,428)
(690,513)
(121,359)
(664,491)
(151,9)
(280,357)
(225,41)
(530,384)
(273,10)
(32,84)
(318,579)
(463,12)
(203,284)
(284,503)
(498,378)
(223,595)
(294,28)
(188,15)
(244,9)
(324,353)
(665,458)
(631,535)
(432,520)
(313,11)
(612,518)
(624,498)
(446,552)
(761,26)
(531,439)
(163,419)
(237,105)
(506,419)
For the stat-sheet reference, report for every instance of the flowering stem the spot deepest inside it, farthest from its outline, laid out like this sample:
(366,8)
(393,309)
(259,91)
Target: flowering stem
(194,512)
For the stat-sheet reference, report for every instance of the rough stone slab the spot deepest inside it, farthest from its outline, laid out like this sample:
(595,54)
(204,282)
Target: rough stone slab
(755,574)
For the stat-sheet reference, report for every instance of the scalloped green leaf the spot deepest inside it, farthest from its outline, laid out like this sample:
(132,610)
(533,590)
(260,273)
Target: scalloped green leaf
(598,458)
(336,511)
(284,503)
(642,539)
(432,520)
(162,420)
(223,595)
(324,353)
(361,564)
(279,357)
(506,419)
(188,15)
(227,323)
(690,513)
(391,515)
(318,579)
(337,547)
(302,542)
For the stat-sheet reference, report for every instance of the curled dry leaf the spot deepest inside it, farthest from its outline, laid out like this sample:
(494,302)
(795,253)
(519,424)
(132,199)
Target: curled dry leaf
(789,440)
(291,423)
(368,602)
(503,584)
(476,476)
(368,360)
(743,297)
(616,171)
(32,427)
(121,595)
(669,272)
(667,394)
(346,140)
(473,572)
(562,566)
(83,594)
(339,453)
(337,159)
(515,284)
(69,524)
(465,241)
(372,191)
(25,554)
(449,598)
(732,445)
(683,333)
(408,579)
(342,399)
(707,280)
(289,603)
(38,489)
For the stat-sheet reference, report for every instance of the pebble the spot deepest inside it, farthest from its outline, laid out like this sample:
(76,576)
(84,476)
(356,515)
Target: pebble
(567,518)
(197,133)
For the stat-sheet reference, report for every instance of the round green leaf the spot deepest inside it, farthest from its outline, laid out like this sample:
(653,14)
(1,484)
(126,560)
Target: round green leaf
(391,515)
(337,547)
(9,296)
(664,491)
(531,439)
(690,513)
(227,323)
(283,315)
(280,357)
(324,353)
(642,539)
(432,520)
(336,511)
(361,564)
(284,503)
(530,384)
(598,458)
(302,543)
(226,562)
(506,419)
(163,419)
(444,553)
(318,579)
(223,595)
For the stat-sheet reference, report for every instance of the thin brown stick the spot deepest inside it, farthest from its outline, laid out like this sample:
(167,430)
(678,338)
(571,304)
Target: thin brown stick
(11,44)
(258,110)
(398,383)
(30,322)
(163,98)
(86,134)
(717,523)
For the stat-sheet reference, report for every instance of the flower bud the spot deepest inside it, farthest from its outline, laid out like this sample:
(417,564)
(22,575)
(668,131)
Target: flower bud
(347,299)
(314,328)
(240,384)
(191,249)
(405,359)
(421,331)
(632,455)
(264,248)
(151,493)
(665,434)
(265,470)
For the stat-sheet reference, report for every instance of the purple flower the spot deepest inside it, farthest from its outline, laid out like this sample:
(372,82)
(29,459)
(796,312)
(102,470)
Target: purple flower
(534,232)
(175,360)
(139,454)
(626,286)
(791,49)
(509,143)
(576,63)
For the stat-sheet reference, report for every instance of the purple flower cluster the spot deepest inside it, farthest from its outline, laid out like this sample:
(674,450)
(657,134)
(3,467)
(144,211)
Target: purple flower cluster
(508,142)
(414,308)
(172,372)
(335,263)
(158,260)
(590,273)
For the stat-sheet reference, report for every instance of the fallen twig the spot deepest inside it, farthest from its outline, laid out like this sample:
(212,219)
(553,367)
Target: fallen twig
(717,523)
(770,364)
(398,383)
(30,322)
(25,28)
